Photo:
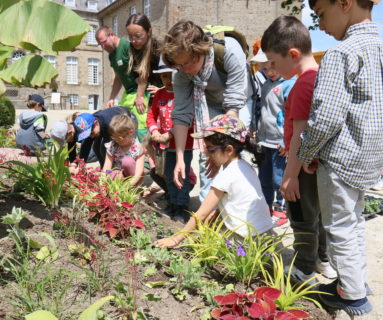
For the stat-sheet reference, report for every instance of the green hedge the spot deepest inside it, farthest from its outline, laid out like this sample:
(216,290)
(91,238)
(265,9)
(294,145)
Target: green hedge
(7,112)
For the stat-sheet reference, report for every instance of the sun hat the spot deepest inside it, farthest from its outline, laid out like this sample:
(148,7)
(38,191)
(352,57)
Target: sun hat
(259,57)
(223,123)
(83,125)
(59,132)
(37,98)
(162,67)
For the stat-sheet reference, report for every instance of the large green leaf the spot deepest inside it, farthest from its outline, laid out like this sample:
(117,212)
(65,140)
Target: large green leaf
(90,313)
(4,4)
(5,54)
(2,87)
(31,71)
(40,315)
(41,25)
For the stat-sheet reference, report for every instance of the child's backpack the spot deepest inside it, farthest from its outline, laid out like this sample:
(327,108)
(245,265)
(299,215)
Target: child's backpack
(218,33)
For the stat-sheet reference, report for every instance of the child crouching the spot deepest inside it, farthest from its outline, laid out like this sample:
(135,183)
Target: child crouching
(124,154)
(236,189)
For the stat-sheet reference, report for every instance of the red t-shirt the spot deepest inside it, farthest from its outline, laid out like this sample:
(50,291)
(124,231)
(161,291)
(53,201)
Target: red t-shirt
(159,116)
(298,103)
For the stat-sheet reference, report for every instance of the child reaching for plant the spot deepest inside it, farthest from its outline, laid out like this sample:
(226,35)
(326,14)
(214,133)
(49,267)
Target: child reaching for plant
(124,154)
(236,189)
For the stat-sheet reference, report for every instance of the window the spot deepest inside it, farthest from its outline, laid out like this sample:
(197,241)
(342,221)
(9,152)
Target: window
(70,3)
(108,2)
(115,25)
(18,54)
(52,60)
(91,36)
(73,99)
(71,70)
(92,5)
(93,71)
(147,8)
(133,10)
(93,102)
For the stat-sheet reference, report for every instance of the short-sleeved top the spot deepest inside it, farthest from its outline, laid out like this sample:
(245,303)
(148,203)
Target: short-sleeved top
(114,150)
(243,199)
(298,102)
(119,61)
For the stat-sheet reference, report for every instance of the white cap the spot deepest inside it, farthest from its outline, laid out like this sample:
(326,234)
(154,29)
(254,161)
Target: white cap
(59,132)
(162,67)
(259,57)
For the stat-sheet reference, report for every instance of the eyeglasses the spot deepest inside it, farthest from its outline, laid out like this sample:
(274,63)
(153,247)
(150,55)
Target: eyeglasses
(186,65)
(137,37)
(101,43)
(211,150)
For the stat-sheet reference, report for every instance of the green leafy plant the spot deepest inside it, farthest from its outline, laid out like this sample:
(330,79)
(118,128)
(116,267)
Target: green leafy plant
(121,188)
(7,111)
(46,178)
(290,293)
(247,259)
(7,138)
(186,275)
(207,241)
(372,205)
(25,26)
(82,252)
(139,238)
(210,289)
(90,313)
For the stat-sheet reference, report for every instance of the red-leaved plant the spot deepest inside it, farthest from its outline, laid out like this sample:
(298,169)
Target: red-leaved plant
(115,216)
(257,305)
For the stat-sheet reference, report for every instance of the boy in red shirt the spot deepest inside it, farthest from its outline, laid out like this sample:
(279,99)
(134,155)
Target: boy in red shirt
(287,45)
(159,124)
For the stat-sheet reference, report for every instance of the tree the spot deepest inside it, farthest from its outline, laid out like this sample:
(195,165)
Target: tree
(37,26)
(295,7)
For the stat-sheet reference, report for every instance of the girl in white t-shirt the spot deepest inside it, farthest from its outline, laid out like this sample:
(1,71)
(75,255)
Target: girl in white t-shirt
(235,189)
(125,156)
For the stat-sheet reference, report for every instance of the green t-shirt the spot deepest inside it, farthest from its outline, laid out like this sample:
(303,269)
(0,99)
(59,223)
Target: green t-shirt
(119,61)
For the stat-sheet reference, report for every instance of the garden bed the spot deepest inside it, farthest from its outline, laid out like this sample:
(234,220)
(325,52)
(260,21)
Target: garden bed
(80,255)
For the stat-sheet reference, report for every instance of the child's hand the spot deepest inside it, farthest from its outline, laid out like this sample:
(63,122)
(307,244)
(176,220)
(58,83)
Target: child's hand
(73,168)
(155,136)
(152,89)
(167,242)
(312,167)
(290,188)
(282,151)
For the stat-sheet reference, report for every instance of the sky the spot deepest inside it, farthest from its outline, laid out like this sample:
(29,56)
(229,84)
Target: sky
(321,41)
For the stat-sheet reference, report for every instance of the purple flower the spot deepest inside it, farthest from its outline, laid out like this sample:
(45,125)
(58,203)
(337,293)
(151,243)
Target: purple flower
(228,243)
(108,171)
(241,251)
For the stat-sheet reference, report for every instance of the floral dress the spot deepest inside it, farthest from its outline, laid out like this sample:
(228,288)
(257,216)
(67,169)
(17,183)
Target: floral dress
(114,150)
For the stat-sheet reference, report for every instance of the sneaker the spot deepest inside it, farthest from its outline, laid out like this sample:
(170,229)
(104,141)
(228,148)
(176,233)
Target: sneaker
(298,275)
(332,299)
(325,269)
(181,214)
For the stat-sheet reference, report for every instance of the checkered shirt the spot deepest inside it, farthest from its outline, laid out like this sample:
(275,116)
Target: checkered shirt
(345,128)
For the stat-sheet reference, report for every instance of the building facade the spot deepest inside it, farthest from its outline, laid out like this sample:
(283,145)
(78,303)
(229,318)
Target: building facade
(80,79)
(251,17)
(85,76)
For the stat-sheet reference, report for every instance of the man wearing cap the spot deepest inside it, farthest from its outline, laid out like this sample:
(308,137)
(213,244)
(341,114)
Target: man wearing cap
(31,136)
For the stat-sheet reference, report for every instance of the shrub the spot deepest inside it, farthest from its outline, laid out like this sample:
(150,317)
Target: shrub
(7,112)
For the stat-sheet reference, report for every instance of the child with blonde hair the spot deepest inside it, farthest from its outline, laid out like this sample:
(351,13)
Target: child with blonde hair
(125,156)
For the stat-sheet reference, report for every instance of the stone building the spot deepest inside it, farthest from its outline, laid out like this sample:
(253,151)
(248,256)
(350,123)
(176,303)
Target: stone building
(85,76)
(251,17)
(80,79)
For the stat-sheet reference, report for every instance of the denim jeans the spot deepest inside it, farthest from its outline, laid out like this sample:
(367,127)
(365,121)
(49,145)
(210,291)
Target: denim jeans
(178,196)
(271,174)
